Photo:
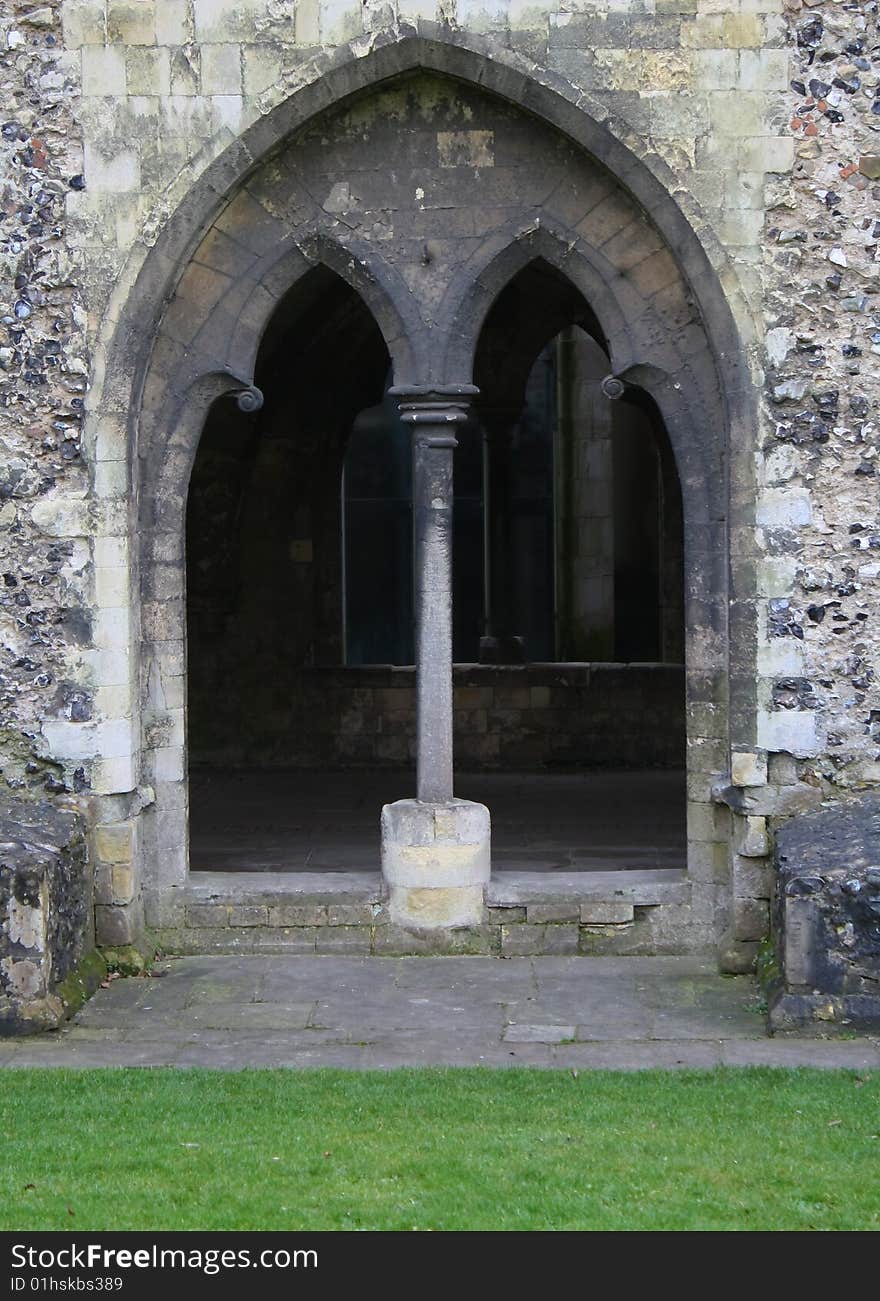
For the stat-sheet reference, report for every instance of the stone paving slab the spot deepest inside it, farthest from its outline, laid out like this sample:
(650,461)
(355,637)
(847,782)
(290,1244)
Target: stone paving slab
(578,1013)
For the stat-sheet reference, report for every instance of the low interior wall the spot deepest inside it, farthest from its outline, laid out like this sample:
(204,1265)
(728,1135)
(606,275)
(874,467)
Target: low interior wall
(506,716)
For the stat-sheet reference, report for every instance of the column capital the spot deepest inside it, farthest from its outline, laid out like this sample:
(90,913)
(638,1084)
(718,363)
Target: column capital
(434,404)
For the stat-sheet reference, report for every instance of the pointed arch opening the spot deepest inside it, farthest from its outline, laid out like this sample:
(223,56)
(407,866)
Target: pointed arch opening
(540,198)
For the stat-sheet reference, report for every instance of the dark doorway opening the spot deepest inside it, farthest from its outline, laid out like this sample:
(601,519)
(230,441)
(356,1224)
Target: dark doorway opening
(568,608)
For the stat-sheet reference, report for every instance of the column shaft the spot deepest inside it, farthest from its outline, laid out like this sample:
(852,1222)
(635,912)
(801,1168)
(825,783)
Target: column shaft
(433,414)
(435,849)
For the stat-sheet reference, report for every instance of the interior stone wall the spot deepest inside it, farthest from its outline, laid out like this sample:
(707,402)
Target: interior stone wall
(505,717)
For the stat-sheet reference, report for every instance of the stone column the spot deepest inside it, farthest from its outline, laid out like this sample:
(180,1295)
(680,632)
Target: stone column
(435,848)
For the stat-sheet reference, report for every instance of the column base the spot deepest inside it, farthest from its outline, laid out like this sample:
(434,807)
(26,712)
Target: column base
(435,862)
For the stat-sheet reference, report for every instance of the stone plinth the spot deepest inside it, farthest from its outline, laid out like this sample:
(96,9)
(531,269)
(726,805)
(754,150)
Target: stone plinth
(435,861)
(825,968)
(46,963)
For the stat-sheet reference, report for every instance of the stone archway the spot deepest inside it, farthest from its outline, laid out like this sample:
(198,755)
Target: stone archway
(222,263)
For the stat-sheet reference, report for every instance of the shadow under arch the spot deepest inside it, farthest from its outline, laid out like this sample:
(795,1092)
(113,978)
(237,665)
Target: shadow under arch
(204,354)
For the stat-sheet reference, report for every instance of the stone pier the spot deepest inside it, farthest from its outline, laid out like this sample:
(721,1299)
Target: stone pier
(435,848)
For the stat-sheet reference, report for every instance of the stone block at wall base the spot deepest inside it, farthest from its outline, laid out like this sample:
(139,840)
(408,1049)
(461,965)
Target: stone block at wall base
(47,963)
(737,957)
(116,926)
(823,969)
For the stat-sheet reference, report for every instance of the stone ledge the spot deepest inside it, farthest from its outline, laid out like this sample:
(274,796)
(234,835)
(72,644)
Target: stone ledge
(526,913)
(643,937)
(548,890)
(284,888)
(643,888)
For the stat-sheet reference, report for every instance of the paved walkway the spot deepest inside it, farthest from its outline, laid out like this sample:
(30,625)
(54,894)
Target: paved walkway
(576,1013)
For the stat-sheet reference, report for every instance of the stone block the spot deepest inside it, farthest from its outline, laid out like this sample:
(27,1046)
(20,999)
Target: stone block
(524,940)
(184,85)
(782,770)
(748,767)
(703,33)
(83,23)
(741,31)
(350,914)
(343,939)
(521,940)
(122,886)
(115,926)
(114,842)
(298,914)
(552,912)
(103,886)
(751,919)
(794,730)
(606,913)
(248,915)
(221,70)
(113,776)
(715,69)
(173,25)
(768,154)
(207,914)
(752,877)
(750,837)
(764,69)
(103,70)
(261,68)
(393,939)
(435,860)
(294,939)
(227,20)
(340,21)
(131,22)
(708,862)
(772,801)
(506,916)
(111,586)
(148,71)
(706,822)
(114,173)
(738,957)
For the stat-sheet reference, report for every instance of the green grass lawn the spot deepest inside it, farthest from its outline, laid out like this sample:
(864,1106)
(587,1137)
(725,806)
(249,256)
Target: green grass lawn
(439,1149)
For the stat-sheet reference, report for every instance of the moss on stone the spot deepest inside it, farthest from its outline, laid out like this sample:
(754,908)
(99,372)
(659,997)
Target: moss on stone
(82,982)
(767,965)
(129,959)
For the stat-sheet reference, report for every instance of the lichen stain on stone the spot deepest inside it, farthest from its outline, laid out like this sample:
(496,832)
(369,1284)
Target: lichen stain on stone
(25,924)
(466,148)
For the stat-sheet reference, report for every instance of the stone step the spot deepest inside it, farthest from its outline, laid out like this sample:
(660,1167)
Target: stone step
(645,912)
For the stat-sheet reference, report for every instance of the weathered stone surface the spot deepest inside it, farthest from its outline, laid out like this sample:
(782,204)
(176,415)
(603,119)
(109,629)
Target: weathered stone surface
(826,918)
(435,861)
(606,914)
(46,928)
